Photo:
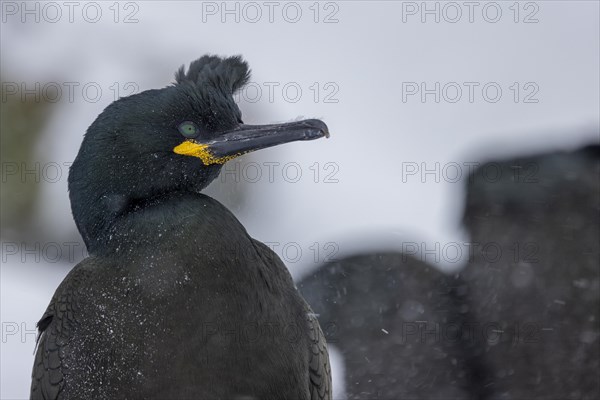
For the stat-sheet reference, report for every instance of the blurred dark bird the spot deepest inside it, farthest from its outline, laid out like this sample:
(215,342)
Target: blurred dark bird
(176,299)
(535,278)
(397,323)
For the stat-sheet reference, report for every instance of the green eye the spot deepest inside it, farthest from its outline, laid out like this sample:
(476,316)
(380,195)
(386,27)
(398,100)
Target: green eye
(188,129)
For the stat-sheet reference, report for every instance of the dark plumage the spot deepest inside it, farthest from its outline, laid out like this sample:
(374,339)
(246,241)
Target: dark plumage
(534,275)
(176,299)
(398,324)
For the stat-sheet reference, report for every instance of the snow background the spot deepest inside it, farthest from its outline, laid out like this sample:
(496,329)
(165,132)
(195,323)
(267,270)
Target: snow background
(367,54)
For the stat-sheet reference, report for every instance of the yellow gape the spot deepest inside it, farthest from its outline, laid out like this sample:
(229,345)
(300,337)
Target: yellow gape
(190,148)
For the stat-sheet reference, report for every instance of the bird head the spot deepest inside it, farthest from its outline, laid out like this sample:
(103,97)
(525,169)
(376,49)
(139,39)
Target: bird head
(176,139)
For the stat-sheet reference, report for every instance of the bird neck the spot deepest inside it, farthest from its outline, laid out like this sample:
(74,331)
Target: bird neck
(104,192)
(110,218)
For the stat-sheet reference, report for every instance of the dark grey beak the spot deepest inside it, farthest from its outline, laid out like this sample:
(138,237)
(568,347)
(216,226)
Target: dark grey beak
(246,138)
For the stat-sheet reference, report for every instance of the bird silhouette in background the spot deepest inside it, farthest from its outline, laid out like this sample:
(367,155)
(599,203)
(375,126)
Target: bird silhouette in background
(176,300)
(396,321)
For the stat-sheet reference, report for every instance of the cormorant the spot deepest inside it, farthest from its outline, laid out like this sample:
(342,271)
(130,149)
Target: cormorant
(176,300)
(533,276)
(397,322)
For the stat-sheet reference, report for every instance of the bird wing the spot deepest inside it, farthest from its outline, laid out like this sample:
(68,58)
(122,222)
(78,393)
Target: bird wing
(319,369)
(318,366)
(54,333)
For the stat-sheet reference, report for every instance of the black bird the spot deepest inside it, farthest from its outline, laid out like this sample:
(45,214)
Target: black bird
(176,300)
(534,275)
(397,322)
